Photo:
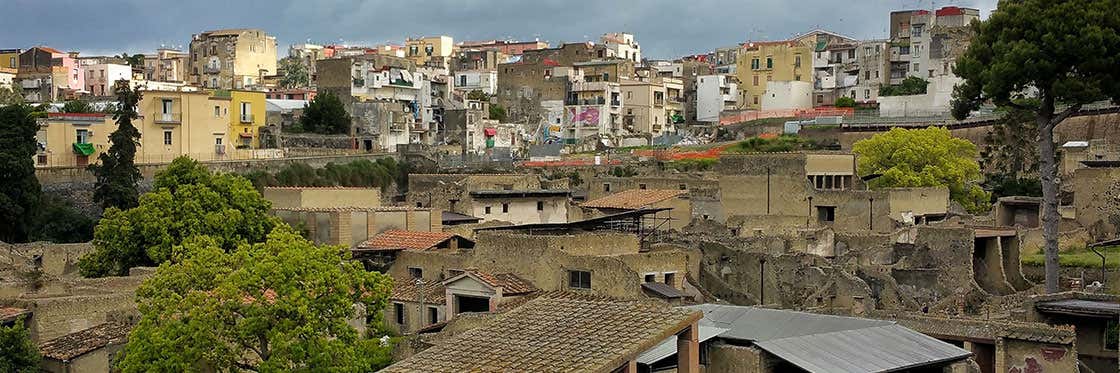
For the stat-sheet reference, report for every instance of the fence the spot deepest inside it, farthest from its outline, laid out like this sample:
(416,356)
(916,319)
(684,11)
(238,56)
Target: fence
(749,115)
(69,159)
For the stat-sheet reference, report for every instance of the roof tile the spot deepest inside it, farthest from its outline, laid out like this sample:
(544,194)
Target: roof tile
(70,346)
(405,240)
(633,199)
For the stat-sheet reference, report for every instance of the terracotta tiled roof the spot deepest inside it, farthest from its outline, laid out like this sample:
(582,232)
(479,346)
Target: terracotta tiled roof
(510,283)
(405,240)
(633,199)
(70,346)
(556,332)
(11,313)
(406,290)
(48,49)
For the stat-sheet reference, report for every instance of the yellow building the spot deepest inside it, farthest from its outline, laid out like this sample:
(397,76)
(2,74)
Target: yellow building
(9,58)
(762,62)
(170,123)
(430,50)
(246,118)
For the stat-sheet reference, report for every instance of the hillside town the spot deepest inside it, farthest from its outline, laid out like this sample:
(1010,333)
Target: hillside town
(943,197)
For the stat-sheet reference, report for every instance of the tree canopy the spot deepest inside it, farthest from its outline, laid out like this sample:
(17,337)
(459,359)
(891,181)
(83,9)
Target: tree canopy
(11,95)
(910,86)
(924,158)
(187,200)
(135,60)
(1048,58)
(18,353)
(77,106)
(276,306)
(325,115)
(19,189)
(497,112)
(117,175)
(384,172)
(295,74)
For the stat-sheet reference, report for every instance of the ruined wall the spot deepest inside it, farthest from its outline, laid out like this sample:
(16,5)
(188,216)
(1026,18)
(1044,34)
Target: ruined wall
(294,197)
(1096,196)
(1015,355)
(704,193)
(726,358)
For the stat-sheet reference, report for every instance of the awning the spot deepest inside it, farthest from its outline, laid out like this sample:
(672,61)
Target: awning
(82,148)
(490,131)
(245,135)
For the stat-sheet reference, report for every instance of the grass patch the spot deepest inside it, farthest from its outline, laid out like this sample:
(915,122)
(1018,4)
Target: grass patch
(1079,258)
(780,121)
(783,143)
(687,165)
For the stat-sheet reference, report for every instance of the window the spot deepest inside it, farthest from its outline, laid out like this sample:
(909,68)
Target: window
(486,210)
(607,187)
(769,62)
(866,94)
(670,278)
(820,99)
(756,80)
(754,64)
(642,186)
(419,204)
(166,137)
(505,208)
(826,214)
(797,77)
(917,31)
(246,112)
(904,49)
(82,136)
(916,69)
(797,61)
(682,187)
(851,53)
(579,279)
(218,141)
(398,310)
(629,95)
(166,107)
(1111,340)
(433,315)
(931,73)
(414,272)
(649,277)
(867,75)
(540,205)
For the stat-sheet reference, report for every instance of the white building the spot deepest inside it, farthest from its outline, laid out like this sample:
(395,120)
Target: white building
(786,94)
(622,45)
(714,94)
(482,80)
(99,78)
(592,108)
(7,76)
(936,102)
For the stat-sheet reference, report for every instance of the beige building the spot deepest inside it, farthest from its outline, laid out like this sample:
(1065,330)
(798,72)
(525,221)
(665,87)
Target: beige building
(434,51)
(325,197)
(232,59)
(645,105)
(171,124)
(762,62)
(166,65)
(350,226)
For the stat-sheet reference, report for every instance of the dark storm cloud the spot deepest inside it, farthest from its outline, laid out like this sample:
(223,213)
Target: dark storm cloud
(665,29)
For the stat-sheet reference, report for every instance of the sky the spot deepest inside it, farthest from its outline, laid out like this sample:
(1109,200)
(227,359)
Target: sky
(664,29)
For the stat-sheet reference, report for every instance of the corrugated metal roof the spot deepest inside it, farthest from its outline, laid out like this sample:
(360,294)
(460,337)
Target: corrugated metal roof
(886,348)
(1081,307)
(760,324)
(668,347)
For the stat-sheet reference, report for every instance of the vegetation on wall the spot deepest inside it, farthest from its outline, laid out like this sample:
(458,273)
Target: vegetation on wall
(845,102)
(909,86)
(498,113)
(927,157)
(382,173)
(783,143)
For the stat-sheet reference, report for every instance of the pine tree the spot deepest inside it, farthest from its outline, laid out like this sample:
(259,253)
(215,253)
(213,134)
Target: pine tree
(117,174)
(19,189)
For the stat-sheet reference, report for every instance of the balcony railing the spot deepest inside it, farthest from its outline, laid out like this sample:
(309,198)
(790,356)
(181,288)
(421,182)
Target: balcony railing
(168,118)
(246,118)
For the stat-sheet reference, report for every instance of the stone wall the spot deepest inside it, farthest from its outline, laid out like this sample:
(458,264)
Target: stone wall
(1096,196)
(55,175)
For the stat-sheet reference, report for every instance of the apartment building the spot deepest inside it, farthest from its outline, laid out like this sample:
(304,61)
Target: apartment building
(99,78)
(652,104)
(476,80)
(836,66)
(171,124)
(925,44)
(714,94)
(388,99)
(247,118)
(9,58)
(232,58)
(760,63)
(541,76)
(430,50)
(45,74)
(622,45)
(166,65)
(725,59)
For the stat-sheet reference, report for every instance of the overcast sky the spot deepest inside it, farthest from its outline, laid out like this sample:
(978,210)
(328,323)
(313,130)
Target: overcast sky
(664,29)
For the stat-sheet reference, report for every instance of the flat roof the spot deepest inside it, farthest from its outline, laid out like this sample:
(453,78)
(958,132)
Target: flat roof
(1080,307)
(591,224)
(520,193)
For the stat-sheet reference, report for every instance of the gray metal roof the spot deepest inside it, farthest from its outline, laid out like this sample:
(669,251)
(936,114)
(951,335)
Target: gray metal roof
(1080,307)
(886,348)
(662,290)
(668,347)
(284,105)
(826,343)
(761,324)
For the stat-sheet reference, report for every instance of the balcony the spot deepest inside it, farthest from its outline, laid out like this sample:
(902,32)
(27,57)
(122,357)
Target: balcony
(590,86)
(590,101)
(247,118)
(168,118)
(211,70)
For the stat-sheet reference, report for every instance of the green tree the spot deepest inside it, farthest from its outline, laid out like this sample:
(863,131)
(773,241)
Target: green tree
(277,306)
(59,222)
(18,353)
(497,112)
(77,106)
(1010,156)
(1064,53)
(135,60)
(117,175)
(295,73)
(20,193)
(186,200)
(924,158)
(326,115)
(845,102)
(11,95)
(909,86)
(477,94)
